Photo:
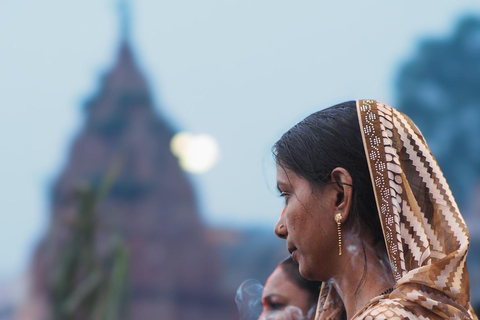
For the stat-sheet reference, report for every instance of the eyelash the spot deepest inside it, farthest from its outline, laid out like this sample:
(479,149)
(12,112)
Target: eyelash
(284,195)
(276,306)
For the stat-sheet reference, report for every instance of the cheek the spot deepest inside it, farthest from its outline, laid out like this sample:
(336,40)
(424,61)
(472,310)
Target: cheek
(302,301)
(289,313)
(299,220)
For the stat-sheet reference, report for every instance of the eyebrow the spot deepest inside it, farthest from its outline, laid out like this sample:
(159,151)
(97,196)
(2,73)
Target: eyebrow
(280,184)
(269,297)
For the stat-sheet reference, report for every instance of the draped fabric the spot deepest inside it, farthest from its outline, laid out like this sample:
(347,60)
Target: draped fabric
(424,232)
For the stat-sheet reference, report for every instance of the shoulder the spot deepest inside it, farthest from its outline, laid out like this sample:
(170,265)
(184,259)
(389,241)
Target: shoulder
(394,309)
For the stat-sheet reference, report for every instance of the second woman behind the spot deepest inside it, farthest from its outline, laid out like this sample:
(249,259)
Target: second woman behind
(289,296)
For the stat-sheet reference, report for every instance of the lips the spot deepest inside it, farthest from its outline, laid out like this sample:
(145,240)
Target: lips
(294,256)
(293,250)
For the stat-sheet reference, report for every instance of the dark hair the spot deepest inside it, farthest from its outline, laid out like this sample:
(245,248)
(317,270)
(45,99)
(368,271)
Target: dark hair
(291,270)
(325,140)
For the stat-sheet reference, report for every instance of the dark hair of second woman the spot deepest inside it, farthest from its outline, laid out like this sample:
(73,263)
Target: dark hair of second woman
(312,287)
(325,140)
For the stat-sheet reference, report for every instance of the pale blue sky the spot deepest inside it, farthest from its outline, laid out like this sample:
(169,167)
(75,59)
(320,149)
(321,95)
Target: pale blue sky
(243,71)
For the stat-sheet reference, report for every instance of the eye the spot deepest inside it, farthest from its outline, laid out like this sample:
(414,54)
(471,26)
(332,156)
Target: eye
(277,306)
(284,195)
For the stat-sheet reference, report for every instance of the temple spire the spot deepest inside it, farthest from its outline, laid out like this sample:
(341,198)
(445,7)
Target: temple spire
(125,14)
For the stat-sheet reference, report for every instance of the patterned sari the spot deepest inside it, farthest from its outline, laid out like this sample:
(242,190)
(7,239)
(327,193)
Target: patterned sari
(425,235)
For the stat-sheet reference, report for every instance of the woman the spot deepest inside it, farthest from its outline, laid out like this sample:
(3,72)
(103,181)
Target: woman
(368,211)
(289,296)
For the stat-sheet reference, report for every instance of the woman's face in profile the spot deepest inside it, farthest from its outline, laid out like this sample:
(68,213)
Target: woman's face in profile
(282,299)
(308,224)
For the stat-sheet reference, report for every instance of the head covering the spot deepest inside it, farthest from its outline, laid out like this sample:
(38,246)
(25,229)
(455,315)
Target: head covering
(425,235)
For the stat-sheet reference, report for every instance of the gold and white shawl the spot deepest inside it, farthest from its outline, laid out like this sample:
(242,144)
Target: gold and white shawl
(425,234)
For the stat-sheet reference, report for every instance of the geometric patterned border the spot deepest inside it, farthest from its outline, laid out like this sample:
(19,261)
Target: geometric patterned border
(376,121)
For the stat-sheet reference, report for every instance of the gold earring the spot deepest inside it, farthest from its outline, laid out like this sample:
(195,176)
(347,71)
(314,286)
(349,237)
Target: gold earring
(338,220)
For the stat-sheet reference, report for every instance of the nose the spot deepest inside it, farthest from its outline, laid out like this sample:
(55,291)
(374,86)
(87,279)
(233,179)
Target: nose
(281,228)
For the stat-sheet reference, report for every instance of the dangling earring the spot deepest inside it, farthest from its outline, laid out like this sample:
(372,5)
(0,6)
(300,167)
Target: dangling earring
(338,220)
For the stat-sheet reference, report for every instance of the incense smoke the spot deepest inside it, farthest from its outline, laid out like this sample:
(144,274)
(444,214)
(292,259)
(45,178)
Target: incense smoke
(249,299)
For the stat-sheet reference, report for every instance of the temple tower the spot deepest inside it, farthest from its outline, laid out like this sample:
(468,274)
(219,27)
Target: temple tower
(173,271)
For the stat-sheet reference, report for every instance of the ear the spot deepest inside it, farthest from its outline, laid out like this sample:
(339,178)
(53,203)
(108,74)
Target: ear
(342,182)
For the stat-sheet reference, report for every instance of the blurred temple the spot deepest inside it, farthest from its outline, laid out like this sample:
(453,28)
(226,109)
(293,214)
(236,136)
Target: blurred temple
(125,239)
(173,270)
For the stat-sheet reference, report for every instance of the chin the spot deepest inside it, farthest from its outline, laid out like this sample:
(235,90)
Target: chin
(310,271)
(306,272)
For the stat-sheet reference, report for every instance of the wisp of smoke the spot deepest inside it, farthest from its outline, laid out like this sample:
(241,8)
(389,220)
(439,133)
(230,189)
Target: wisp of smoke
(249,299)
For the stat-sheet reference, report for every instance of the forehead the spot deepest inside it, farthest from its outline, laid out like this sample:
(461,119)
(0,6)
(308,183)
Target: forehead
(286,175)
(277,283)
(287,178)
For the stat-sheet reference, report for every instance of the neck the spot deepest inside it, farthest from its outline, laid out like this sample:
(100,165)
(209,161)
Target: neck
(357,288)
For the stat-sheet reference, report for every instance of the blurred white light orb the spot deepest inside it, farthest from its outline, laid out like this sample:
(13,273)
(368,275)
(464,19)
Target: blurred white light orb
(196,153)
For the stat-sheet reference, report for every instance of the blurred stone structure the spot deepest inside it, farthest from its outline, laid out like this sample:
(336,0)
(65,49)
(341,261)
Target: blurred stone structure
(174,272)
(178,268)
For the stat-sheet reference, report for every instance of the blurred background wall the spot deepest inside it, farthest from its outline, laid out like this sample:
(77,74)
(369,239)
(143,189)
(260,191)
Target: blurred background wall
(94,92)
